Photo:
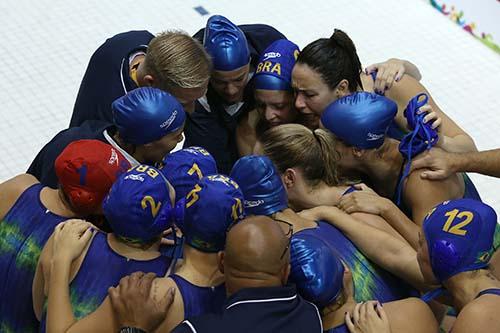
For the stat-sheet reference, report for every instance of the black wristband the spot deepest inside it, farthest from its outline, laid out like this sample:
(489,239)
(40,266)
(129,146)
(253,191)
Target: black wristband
(128,329)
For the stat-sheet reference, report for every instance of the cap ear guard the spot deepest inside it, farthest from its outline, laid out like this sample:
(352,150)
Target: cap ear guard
(163,220)
(82,200)
(178,213)
(444,259)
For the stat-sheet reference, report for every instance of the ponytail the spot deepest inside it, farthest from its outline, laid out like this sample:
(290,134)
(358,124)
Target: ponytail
(329,156)
(335,59)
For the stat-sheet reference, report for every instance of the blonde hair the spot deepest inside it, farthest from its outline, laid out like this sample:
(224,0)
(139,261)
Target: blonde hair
(296,146)
(175,59)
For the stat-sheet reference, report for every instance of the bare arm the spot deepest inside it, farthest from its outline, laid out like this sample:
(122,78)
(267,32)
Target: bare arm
(391,71)
(442,164)
(70,239)
(454,139)
(59,300)
(367,201)
(387,251)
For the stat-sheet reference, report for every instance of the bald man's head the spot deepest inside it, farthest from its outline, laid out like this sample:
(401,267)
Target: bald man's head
(253,254)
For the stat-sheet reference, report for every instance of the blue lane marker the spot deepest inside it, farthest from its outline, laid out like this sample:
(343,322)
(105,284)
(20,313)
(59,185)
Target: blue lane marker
(202,11)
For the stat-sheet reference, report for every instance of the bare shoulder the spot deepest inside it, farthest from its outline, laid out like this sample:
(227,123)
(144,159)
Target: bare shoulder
(12,189)
(424,194)
(175,314)
(480,315)
(422,319)
(161,286)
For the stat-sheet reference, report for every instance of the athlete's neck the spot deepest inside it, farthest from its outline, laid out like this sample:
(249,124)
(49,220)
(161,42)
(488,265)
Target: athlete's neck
(200,268)
(384,167)
(132,251)
(465,287)
(129,148)
(56,202)
(320,195)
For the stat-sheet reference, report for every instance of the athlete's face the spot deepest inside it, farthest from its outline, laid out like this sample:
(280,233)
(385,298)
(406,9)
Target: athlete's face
(275,106)
(424,260)
(155,151)
(187,96)
(230,85)
(312,94)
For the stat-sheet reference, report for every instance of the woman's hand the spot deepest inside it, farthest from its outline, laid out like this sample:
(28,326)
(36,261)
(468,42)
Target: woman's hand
(363,200)
(367,317)
(391,71)
(70,238)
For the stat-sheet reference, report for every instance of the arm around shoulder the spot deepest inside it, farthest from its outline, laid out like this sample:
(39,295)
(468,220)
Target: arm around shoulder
(455,138)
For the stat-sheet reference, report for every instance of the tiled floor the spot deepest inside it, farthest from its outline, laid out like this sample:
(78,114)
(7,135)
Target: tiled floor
(45,46)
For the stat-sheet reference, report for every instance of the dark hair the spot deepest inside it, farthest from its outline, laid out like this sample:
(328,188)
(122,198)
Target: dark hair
(335,59)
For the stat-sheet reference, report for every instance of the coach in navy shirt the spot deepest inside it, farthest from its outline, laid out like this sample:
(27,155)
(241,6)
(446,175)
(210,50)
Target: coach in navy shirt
(172,61)
(235,52)
(256,267)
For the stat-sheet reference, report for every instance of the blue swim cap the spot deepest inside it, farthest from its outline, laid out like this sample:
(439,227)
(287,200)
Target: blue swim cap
(226,44)
(360,119)
(459,235)
(138,206)
(147,114)
(211,207)
(184,168)
(261,185)
(315,269)
(274,71)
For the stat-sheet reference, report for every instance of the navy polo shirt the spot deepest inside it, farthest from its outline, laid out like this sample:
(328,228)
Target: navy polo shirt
(107,76)
(210,126)
(270,309)
(42,166)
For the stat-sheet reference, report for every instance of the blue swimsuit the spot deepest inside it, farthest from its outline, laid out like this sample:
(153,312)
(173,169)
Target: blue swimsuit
(23,233)
(200,300)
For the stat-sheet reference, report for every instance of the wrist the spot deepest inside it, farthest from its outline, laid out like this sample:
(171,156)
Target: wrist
(60,260)
(328,212)
(385,208)
(458,162)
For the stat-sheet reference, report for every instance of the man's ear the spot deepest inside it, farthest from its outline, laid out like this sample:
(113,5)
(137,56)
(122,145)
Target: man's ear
(149,80)
(289,178)
(342,89)
(220,261)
